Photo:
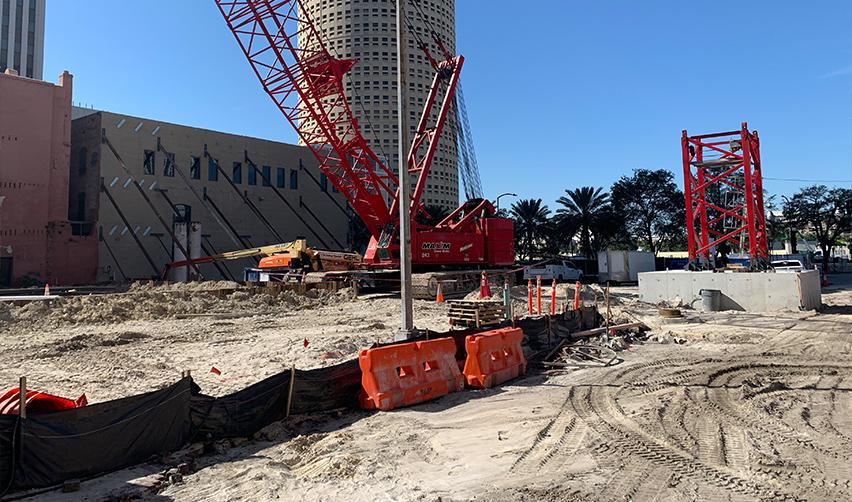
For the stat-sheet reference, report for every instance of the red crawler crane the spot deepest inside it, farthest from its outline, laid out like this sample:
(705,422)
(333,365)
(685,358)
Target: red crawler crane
(305,81)
(723,189)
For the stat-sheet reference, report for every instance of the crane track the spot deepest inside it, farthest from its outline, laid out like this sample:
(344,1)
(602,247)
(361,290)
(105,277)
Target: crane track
(591,406)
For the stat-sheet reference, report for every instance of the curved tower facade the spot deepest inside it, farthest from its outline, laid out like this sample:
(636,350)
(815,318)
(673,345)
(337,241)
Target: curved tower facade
(366,30)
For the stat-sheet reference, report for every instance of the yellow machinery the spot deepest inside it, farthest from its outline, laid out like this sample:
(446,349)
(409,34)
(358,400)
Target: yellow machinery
(289,256)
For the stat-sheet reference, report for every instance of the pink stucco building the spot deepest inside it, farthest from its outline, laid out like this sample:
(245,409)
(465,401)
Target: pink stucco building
(38,243)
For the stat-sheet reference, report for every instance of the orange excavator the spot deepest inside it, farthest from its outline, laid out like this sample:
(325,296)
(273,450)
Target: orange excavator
(286,258)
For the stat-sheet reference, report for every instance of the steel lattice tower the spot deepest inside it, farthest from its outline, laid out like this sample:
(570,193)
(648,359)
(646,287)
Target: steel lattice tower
(723,192)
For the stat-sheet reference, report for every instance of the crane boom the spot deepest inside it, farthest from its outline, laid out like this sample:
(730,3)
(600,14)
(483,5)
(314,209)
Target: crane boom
(306,83)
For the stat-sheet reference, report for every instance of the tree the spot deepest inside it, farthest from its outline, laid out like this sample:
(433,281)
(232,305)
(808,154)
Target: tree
(652,207)
(559,235)
(531,222)
(610,231)
(824,212)
(776,224)
(434,214)
(585,205)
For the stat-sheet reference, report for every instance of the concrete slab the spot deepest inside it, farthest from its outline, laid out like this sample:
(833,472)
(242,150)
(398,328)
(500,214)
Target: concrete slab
(752,292)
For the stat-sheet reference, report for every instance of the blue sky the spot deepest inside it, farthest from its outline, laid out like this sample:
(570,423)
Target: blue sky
(560,93)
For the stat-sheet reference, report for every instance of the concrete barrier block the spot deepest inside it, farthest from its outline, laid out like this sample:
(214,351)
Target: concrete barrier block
(753,292)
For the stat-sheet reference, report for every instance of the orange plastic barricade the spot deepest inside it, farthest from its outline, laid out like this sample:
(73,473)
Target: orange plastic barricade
(408,373)
(494,357)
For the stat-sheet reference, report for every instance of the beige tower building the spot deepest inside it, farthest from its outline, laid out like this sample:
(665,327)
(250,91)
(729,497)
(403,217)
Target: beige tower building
(366,30)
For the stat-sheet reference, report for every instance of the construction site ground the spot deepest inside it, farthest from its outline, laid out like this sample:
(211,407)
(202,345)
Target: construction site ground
(750,406)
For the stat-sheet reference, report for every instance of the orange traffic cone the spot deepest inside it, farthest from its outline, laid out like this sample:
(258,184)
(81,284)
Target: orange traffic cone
(46,289)
(484,288)
(439,298)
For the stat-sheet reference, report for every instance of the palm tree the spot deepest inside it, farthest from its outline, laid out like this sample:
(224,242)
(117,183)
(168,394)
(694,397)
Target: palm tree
(530,224)
(560,232)
(584,205)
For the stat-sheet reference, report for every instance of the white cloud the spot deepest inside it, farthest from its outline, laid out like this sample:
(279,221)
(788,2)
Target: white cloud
(846,70)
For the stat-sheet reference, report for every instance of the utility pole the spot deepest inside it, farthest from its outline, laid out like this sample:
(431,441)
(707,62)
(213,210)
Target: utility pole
(407,329)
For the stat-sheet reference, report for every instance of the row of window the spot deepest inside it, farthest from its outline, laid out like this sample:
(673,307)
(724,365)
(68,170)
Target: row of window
(265,173)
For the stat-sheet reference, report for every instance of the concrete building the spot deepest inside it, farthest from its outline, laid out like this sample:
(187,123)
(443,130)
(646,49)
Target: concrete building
(208,175)
(366,30)
(39,242)
(22,37)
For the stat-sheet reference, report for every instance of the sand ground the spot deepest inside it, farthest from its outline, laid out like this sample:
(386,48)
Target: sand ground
(752,406)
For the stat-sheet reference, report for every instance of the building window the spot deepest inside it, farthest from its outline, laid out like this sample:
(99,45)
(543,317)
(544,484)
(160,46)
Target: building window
(267,176)
(323,182)
(195,167)
(81,160)
(150,161)
(81,206)
(252,175)
(279,177)
(212,169)
(4,40)
(237,172)
(294,179)
(169,165)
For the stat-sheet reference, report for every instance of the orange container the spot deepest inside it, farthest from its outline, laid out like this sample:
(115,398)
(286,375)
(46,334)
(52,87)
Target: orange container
(494,357)
(408,373)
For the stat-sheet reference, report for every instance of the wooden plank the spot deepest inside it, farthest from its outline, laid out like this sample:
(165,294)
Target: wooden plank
(475,316)
(599,331)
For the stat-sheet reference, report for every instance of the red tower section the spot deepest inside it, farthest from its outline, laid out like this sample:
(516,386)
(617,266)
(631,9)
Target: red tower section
(723,191)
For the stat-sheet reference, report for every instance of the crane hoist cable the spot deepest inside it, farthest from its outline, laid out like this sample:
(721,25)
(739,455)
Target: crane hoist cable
(467,163)
(425,19)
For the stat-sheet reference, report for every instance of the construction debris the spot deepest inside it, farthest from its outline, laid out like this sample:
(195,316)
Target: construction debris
(581,356)
(610,329)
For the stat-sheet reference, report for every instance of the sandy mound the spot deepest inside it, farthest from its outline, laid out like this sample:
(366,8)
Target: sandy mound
(5,315)
(159,302)
(184,286)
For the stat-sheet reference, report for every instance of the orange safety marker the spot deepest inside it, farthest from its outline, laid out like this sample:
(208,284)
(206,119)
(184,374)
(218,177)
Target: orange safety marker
(577,296)
(484,288)
(529,295)
(408,373)
(439,297)
(538,294)
(494,357)
(553,298)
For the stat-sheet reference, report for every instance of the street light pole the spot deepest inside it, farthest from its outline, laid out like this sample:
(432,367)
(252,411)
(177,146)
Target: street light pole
(407,328)
(502,195)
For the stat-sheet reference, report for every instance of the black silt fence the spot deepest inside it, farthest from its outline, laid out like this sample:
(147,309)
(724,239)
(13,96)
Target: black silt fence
(49,448)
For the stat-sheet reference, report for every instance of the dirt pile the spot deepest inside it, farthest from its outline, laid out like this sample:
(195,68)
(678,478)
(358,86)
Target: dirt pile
(184,286)
(5,315)
(150,303)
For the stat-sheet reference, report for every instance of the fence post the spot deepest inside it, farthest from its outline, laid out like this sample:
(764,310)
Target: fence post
(22,398)
(290,390)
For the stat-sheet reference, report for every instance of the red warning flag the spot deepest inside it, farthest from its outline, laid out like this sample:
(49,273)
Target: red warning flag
(305,343)
(215,371)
